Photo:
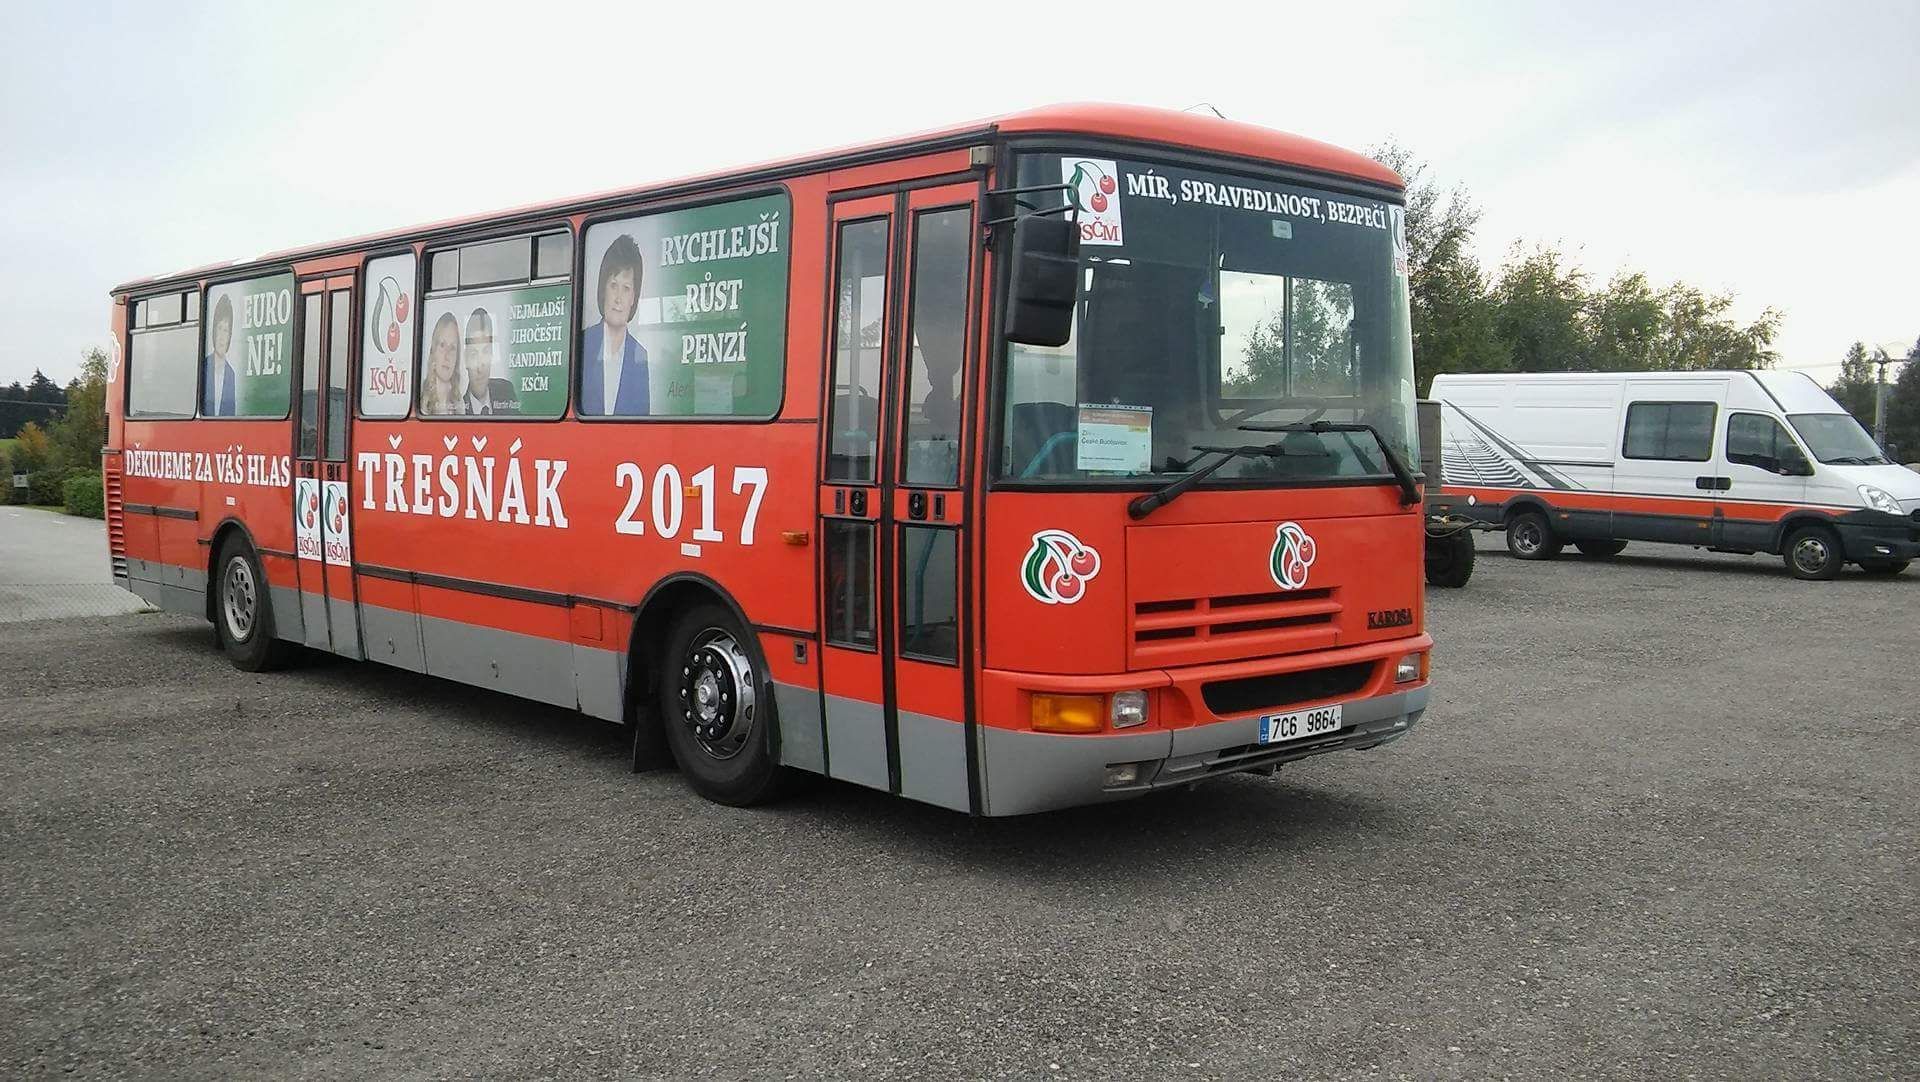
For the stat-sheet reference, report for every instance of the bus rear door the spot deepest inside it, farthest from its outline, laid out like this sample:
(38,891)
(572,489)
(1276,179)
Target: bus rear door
(893,527)
(323,537)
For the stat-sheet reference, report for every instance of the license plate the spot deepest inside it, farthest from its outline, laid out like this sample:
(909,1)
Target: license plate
(1299,725)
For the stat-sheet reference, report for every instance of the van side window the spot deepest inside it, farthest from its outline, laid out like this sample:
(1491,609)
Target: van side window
(1755,439)
(1673,431)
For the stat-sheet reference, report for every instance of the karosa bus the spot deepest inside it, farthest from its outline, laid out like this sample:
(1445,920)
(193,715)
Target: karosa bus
(1046,460)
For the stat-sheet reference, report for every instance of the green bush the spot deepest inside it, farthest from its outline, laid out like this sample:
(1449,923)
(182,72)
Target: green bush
(48,487)
(85,496)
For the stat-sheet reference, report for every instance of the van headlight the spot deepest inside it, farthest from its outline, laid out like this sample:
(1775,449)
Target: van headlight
(1879,499)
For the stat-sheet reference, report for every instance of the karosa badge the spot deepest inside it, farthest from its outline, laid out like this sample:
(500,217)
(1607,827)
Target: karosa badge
(1058,568)
(1292,556)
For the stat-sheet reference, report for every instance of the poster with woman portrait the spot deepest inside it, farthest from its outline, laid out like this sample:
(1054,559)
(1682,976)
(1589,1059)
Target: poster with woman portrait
(683,312)
(247,363)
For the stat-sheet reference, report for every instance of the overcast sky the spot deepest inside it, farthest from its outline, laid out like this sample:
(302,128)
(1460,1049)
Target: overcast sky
(1771,150)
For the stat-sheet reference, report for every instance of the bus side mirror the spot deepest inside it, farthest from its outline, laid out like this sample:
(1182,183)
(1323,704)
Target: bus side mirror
(1044,282)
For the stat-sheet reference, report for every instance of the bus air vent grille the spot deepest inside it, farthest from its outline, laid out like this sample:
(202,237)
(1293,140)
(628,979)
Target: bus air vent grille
(1276,690)
(1185,630)
(116,518)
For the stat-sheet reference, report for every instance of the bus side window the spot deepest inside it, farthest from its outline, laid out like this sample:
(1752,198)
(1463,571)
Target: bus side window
(310,376)
(937,335)
(853,428)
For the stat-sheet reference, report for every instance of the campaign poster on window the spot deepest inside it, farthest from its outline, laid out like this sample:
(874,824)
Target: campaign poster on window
(498,353)
(683,313)
(249,348)
(386,347)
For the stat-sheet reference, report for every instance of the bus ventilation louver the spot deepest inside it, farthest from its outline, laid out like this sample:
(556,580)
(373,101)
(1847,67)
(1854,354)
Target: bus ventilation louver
(116,519)
(1236,625)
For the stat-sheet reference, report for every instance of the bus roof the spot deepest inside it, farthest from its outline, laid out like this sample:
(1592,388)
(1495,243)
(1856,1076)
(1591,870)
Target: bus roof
(1192,131)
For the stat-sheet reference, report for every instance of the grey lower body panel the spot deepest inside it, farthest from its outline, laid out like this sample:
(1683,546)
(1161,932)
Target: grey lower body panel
(169,586)
(857,742)
(1031,772)
(798,709)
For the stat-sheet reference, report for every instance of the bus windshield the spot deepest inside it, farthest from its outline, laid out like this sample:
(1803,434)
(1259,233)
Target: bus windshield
(1837,439)
(1208,302)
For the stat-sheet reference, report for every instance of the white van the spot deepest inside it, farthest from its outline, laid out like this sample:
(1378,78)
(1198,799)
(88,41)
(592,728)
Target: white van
(1729,461)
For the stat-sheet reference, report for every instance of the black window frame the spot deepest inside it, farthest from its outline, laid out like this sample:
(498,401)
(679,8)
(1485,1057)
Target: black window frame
(1784,430)
(140,324)
(1626,430)
(429,255)
(644,210)
(293,345)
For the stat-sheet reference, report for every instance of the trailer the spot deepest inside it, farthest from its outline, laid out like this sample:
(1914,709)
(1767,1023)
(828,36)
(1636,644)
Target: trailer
(1450,550)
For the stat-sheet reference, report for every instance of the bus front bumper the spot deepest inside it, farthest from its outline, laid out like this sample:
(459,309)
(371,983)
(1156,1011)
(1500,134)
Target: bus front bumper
(1030,772)
(1877,535)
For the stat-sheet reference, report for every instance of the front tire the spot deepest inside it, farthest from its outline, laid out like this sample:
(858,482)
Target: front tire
(1888,568)
(1813,553)
(1600,550)
(242,613)
(1530,537)
(716,705)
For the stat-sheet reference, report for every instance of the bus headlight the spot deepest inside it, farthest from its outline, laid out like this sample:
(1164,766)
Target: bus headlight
(1879,499)
(1128,708)
(1410,668)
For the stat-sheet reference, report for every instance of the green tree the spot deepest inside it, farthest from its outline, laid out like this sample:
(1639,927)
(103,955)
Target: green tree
(1854,389)
(1541,304)
(78,436)
(32,450)
(1453,326)
(1903,410)
(1701,336)
(1625,323)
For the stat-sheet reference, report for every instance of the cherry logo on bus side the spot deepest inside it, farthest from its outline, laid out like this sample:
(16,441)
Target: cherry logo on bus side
(1292,556)
(1058,568)
(310,509)
(337,515)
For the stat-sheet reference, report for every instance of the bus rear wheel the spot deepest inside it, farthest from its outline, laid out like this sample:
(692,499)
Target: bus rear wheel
(242,614)
(1600,550)
(716,706)
(1530,537)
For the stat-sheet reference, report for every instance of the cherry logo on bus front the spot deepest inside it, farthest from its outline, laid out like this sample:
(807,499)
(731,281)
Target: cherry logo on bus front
(1093,185)
(1058,568)
(1292,556)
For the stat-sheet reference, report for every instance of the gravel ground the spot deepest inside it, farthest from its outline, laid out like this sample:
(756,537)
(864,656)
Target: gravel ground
(1660,821)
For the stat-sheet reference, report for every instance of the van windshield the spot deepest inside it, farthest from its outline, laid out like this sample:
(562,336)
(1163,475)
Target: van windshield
(1837,439)
(1209,301)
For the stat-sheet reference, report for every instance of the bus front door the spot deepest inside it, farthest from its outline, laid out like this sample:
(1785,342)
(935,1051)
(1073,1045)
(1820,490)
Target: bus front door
(323,536)
(893,526)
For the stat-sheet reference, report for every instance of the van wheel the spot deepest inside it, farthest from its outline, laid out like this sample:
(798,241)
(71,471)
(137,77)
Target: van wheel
(242,613)
(1600,550)
(1530,537)
(1813,552)
(1450,559)
(716,705)
(1883,567)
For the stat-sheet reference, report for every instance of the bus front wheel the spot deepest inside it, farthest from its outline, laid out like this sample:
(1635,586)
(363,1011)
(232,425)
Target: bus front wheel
(716,705)
(242,613)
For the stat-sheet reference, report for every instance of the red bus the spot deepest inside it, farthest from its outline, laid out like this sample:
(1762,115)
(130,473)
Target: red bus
(1040,461)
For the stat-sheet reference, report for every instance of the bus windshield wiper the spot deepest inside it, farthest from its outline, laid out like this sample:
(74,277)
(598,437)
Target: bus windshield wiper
(1409,488)
(1142,506)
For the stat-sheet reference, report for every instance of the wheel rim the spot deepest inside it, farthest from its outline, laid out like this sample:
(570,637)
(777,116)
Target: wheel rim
(717,694)
(1526,536)
(1810,554)
(240,599)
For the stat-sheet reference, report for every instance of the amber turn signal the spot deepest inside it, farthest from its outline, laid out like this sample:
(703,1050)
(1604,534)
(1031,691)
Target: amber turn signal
(794,537)
(1068,713)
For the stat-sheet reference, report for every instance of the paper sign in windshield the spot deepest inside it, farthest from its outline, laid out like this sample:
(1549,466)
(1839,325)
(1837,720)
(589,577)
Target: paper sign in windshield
(1116,438)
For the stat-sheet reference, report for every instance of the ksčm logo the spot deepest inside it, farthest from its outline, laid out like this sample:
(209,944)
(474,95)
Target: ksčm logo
(1058,568)
(1292,556)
